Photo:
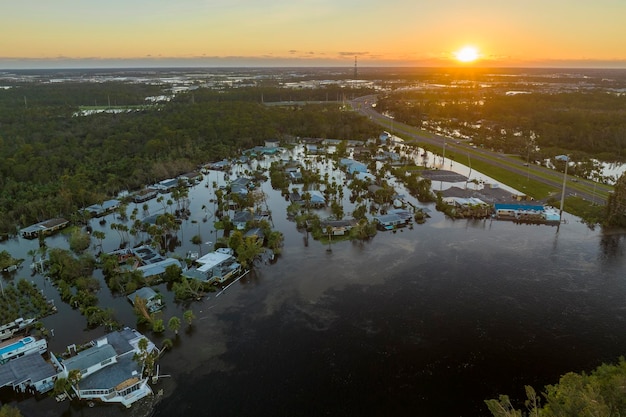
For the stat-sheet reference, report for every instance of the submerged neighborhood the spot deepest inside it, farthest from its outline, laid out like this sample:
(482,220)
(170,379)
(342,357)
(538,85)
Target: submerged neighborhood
(335,190)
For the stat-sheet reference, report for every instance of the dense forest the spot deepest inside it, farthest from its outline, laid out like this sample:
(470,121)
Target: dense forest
(53,160)
(588,123)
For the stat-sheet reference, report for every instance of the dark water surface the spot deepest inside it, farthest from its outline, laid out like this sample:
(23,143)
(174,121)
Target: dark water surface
(427,322)
(423,322)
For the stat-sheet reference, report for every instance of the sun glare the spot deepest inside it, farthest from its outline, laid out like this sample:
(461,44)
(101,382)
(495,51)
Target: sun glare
(467,54)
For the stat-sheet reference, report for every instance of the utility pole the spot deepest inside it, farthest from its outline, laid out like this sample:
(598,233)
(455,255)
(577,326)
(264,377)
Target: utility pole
(563,191)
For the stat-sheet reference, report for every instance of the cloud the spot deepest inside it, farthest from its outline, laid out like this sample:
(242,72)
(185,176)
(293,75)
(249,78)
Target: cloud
(353,53)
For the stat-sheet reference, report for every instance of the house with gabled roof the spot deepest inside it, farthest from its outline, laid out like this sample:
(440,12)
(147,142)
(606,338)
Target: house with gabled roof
(29,372)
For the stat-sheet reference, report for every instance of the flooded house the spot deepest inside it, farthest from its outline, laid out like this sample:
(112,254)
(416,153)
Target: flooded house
(44,228)
(215,267)
(109,371)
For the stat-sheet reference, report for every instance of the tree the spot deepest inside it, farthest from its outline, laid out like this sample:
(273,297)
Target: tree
(79,241)
(145,357)
(99,235)
(173,273)
(74,377)
(189,317)
(158,326)
(166,344)
(616,205)
(61,386)
(9,411)
(174,324)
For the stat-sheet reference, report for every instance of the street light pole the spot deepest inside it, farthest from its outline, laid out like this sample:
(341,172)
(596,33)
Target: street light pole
(563,191)
(443,162)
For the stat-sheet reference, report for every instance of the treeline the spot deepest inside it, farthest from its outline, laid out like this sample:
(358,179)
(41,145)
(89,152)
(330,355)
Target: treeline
(593,122)
(52,162)
(600,393)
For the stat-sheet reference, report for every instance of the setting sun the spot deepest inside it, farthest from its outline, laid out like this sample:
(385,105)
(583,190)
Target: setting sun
(467,54)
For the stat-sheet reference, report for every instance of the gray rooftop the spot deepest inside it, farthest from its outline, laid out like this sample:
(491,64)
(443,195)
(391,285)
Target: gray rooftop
(113,375)
(89,357)
(24,368)
(146,293)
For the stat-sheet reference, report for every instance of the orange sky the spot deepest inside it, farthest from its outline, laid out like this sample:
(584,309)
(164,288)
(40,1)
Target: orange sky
(37,33)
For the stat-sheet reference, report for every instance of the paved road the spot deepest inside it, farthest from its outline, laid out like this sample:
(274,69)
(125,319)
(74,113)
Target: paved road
(583,188)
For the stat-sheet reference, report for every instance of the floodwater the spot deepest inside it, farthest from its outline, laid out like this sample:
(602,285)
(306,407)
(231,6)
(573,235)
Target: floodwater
(428,321)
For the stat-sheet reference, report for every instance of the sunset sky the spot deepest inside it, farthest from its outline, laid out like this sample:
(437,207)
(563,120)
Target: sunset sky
(130,33)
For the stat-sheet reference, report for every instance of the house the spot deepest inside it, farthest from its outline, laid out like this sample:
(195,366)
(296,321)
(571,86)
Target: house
(295,176)
(405,215)
(146,260)
(295,197)
(109,371)
(191,178)
(338,227)
(166,186)
(274,143)
(241,219)
(218,166)
(29,372)
(365,176)
(45,228)
(240,186)
(99,210)
(144,195)
(352,166)
(316,199)
(256,233)
(217,266)
(152,299)
(389,221)
(158,268)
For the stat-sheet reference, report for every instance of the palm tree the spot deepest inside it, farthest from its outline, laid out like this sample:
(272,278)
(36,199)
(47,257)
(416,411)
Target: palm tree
(61,386)
(174,324)
(74,377)
(189,317)
(329,230)
(167,344)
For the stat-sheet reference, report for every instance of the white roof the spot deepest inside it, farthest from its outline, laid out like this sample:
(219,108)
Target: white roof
(212,259)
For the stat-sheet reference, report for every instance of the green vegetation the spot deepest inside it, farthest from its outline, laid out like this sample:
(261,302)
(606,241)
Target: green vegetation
(6,260)
(9,411)
(616,206)
(73,278)
(600,393)
(54,163)
(23,300)
(540,124)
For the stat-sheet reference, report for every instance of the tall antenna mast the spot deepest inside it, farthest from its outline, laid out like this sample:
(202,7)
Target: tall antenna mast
(355,72)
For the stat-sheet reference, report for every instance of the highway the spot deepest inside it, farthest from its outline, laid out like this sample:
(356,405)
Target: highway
(580,187)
